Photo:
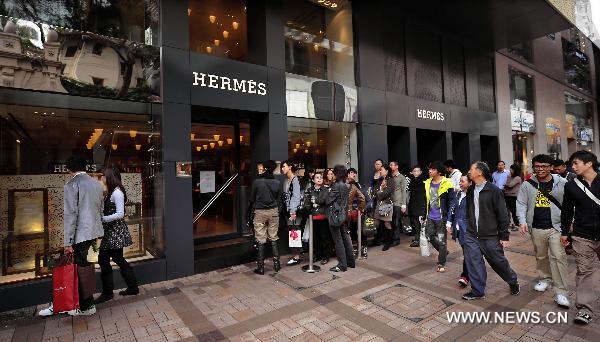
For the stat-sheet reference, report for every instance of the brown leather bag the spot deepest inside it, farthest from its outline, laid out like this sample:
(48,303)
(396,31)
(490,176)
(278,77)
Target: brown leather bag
(87,280)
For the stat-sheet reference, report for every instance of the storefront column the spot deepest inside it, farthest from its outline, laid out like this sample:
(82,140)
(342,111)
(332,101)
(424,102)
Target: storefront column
(413,146)
(175,134)
(449,154)
(373,138)
(475,147)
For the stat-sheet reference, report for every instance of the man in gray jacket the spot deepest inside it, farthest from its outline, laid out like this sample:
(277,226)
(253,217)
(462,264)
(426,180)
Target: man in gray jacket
(82,223)
(399,199)
(538,209)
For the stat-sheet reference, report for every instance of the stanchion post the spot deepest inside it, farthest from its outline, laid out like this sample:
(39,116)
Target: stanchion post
(359,234)
(310,268)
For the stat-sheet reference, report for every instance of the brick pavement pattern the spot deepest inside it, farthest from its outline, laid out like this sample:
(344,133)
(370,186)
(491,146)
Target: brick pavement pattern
(391,296)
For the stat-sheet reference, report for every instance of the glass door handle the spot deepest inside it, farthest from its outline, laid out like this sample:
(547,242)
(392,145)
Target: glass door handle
(214,198)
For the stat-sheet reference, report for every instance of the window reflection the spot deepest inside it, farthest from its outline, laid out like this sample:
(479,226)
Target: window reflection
(318,40)
(218,28)
(576,61)
(34,145)
(579,125)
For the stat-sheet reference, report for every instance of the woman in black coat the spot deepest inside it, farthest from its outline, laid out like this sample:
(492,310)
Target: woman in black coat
(383,191)
(335,198)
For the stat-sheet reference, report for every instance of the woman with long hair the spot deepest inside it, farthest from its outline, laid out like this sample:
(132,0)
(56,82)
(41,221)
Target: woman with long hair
(116,237)
(511,190)
(335,198)
(321,237)
(329,177)
(383,191)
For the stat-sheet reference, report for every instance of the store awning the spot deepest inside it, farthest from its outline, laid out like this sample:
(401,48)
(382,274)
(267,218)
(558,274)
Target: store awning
(492,23)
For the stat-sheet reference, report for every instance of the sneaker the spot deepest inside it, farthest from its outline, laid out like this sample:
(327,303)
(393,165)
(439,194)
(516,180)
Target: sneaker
(414,243)
(582,318)
(542,286)
(364,252)
(562,300)
(78,312)
(515,289)
(463,282)
(130,291)
(49,311)
(293,261)
(472,296)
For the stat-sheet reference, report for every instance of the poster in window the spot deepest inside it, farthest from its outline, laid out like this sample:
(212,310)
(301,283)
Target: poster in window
(207,182)
(522,120)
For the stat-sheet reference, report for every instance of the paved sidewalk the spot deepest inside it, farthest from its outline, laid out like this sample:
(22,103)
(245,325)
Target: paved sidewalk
(391,296)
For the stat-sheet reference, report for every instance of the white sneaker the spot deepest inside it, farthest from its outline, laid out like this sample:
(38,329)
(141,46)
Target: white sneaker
(78,312)
(542,286)
(49,311)
(562,300)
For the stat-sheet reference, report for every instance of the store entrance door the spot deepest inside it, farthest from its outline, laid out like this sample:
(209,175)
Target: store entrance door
(220,179)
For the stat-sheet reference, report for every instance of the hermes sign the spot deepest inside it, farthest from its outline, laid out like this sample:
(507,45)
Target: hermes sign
(229,84)
(430,115)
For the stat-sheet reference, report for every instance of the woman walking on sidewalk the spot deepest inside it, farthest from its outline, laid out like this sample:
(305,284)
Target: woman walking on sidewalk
(116,237)
(336,200)
(511,190)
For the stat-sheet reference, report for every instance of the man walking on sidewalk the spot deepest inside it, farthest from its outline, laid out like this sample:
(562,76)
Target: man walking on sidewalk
(581,207)
(487,233)
(539,203)
(399,201)
(82,215)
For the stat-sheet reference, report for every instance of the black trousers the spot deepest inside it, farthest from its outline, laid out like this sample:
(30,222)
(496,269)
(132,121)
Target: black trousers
(343,246)
(511,204)
(396,224)
(80,253)
(323,242)
(108,284)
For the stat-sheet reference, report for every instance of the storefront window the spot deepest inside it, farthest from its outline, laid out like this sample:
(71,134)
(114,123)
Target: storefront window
(77,62)
(576,61)
(218,27)
(322,144)
(579,125)
(318,40)
(313,98)
(522,115)
(134,20)
(34,145)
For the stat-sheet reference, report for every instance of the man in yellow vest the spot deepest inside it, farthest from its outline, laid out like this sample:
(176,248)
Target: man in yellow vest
(439,193)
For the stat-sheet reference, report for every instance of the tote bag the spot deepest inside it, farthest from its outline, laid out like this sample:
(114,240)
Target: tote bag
(65,289)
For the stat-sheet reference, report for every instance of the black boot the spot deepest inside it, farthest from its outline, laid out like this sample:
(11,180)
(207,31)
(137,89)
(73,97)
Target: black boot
(387,239)
(130,280)
(276,263)
(260,259)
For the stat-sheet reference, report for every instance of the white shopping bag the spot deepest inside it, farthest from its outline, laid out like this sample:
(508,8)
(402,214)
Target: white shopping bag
(306,234)
(294,238)
(424,243)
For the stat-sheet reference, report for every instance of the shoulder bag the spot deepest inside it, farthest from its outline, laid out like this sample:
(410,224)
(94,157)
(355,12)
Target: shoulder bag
(546,193)
(587,192)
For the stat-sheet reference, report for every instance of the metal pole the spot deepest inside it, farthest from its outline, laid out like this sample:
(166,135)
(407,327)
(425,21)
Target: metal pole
(310,268)
(359,234)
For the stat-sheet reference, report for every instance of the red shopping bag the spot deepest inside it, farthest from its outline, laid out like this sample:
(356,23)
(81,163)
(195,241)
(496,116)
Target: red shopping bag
(65,285)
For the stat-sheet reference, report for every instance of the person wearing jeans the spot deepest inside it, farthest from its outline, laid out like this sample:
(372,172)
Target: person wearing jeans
(399,201)
(581,208)
(439,194)
(487,233)
(540,216)
(457,223)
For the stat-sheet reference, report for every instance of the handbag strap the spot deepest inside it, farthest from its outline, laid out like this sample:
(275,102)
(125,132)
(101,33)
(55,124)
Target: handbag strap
(545,193)
(588,193)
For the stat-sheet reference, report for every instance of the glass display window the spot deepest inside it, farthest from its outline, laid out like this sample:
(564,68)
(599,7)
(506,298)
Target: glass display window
(34,145)
(218,28)
(319,40)
(579,123)
(522,112)
(322,144)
